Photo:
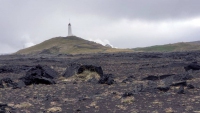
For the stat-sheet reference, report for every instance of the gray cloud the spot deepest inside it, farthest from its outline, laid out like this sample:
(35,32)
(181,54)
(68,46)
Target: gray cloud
(152,9)
(129,23)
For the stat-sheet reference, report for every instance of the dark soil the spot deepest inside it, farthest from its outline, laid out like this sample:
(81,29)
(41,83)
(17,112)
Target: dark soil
(129,83)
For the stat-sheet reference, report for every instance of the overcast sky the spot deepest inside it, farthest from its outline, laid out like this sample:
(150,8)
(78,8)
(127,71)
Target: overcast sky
(121,23)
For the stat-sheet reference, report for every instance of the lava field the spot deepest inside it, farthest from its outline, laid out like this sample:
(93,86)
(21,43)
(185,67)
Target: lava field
(142,82)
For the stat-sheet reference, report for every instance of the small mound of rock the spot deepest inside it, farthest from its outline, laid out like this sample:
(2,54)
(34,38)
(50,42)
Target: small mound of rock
(78,69)
(91,68)
(169,80)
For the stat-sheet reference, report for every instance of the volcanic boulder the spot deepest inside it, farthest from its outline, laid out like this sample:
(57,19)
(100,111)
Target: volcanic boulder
(192,66)
(20,84)
(127,94)
(71,70)
(40,75)
(164,89)
(106,79)
(181,83)
(151,77)
(182,77)
(2,108)
(172,77)
(181,90)
(190,86)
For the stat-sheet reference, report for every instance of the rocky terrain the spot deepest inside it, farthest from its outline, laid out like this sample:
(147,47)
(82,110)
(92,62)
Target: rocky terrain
(102,83)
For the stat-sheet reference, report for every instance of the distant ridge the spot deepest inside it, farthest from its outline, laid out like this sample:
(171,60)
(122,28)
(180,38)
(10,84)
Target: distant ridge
(181,46)
(68,45)
(76,45)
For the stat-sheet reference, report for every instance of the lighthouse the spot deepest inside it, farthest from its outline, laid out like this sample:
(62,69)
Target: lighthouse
(69,30)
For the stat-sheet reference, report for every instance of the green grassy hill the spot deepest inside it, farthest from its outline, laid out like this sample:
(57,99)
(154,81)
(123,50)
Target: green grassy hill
(68,45)
(182,46)
(76,45)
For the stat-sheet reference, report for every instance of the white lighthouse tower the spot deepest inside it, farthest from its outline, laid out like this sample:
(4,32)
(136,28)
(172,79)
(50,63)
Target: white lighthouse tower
(69,30)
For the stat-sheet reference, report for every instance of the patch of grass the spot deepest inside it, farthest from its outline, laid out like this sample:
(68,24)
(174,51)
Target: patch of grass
(122,107)
(23,105)
(161,83)
(169,110)
(69,100)
(188,108)
(128,100)
(159,48)
(94,105)
(54,109)
(157,103)
(85,76)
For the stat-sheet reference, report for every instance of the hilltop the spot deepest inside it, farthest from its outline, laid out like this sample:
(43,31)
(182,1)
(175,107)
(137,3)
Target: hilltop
(68,45)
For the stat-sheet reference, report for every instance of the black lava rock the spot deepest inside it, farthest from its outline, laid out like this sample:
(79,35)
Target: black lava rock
(182,77)
(151,77)
(20,84)
(164,89)
(39,75)
(192,66)
(78,110)
(187,77)
(4,108)
(190,86)
(181,83)
(71,70)
(181,90)
(127,94)
(106,79)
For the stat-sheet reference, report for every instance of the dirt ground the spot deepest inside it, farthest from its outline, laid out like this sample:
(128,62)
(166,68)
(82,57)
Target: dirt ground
(131,92)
